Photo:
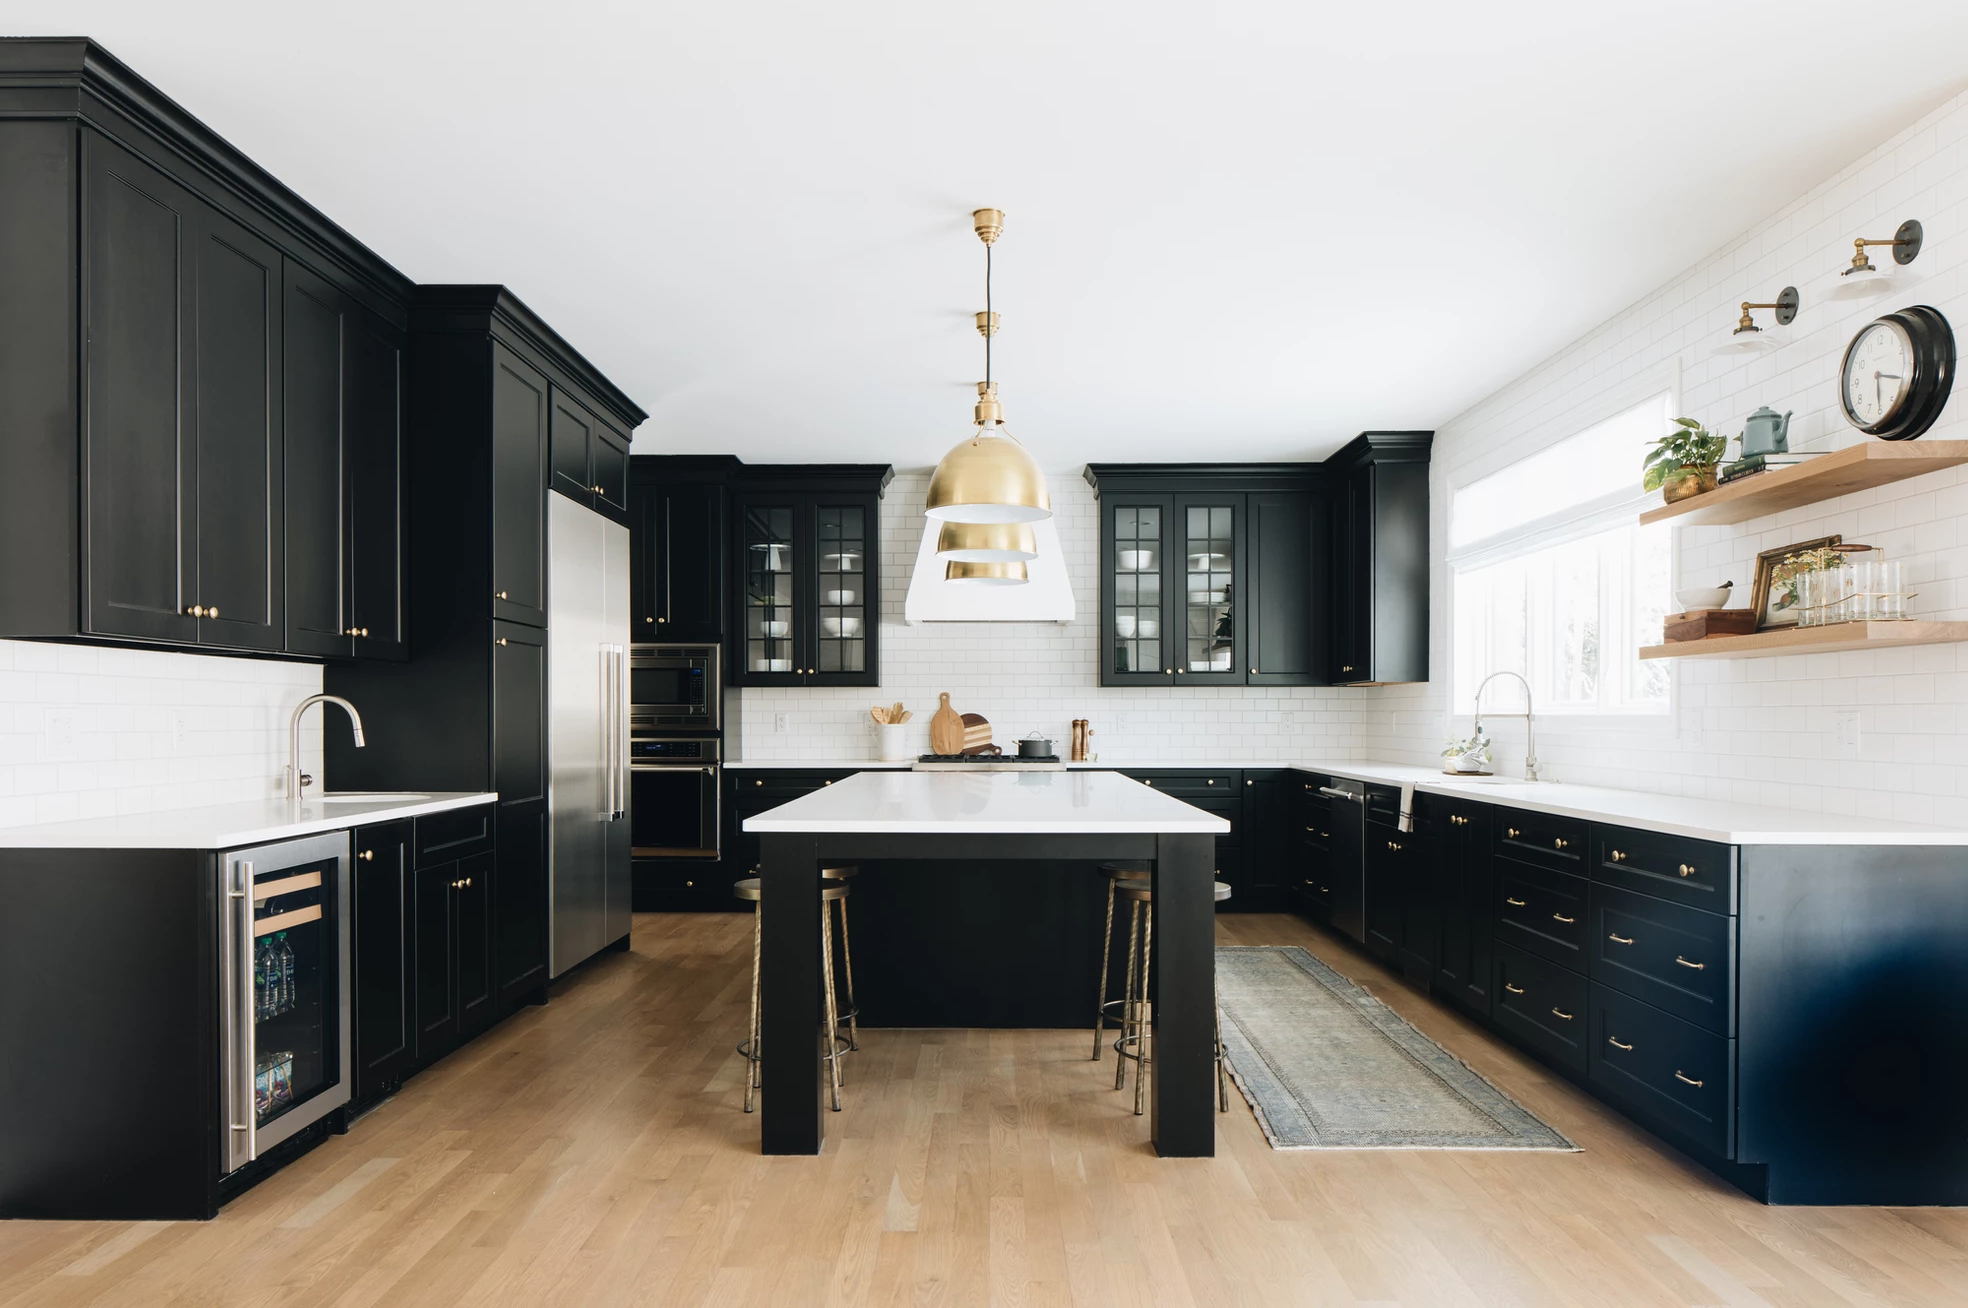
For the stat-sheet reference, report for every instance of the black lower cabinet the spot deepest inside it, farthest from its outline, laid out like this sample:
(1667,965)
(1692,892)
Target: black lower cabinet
(1543,1004)
(1270,876)
(385,1017)
(436,966)
(1459,869)
(521,902)
(1672,1074)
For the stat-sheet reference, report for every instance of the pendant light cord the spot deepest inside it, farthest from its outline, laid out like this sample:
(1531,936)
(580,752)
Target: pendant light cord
(988,320)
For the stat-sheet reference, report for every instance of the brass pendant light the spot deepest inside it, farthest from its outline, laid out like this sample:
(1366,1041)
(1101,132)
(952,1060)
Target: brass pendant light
(986,542)
(985,574)
(990,477)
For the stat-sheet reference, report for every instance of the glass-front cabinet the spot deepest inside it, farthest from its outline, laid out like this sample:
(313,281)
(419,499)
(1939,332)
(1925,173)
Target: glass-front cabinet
(808,576)
(1202,585)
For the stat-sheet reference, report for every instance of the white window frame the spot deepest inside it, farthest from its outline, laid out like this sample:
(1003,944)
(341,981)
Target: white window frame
(1569,523)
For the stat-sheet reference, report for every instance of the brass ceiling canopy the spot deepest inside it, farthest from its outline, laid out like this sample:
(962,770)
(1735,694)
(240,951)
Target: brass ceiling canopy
(985,574)
(986,542)
(989,478)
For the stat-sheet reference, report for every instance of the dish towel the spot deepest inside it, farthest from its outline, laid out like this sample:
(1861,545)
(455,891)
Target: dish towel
(1407,822)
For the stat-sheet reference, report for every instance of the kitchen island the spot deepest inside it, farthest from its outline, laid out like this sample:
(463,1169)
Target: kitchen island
(938,816)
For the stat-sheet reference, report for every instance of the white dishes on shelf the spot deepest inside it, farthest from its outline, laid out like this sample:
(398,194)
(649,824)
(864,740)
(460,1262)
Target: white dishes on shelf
(1215,663)
(842,561)
(1124,624)
(772,665)
(1209,596)
(777,628)
(1209,562)
(838,598)
(1148,628)
(1135,560)
(840,626)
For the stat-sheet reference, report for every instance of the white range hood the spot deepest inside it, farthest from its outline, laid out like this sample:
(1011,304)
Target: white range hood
(1047,597)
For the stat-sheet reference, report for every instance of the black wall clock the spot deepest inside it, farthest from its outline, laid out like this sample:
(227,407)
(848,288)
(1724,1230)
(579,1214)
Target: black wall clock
(1897,373)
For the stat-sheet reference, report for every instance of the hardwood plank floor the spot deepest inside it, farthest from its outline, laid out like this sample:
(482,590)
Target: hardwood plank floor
(592,1152)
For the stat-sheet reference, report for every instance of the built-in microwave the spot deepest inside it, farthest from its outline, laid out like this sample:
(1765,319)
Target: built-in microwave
(674,686)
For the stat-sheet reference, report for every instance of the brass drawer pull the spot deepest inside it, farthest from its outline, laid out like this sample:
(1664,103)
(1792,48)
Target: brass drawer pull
(1559,1012)
(1619,939)
(1515,990)
(1688,1079)
(1558,843)
(1614,1042)
(1393,847)
(1685,963)
(1687,869)
(1313,830)
(1514,903)
(1616,856)
(1560,917)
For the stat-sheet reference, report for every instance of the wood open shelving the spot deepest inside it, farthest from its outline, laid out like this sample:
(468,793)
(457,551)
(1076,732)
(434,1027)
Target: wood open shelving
(1812,640)
(1854,468)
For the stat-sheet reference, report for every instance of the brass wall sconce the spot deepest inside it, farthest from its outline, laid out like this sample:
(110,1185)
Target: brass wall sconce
(1748,338)
(1862,279)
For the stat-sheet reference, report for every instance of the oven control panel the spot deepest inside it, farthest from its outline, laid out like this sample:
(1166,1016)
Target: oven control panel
(672,749)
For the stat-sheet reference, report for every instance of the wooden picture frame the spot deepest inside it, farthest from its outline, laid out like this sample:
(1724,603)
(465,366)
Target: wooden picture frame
(1766,563)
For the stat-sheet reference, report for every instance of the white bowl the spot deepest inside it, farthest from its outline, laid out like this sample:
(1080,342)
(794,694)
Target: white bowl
(1148,628)
(837,598)
(1704,597)
(777,628)
(1136,560)
(772,665)
(1124,624)
(840,626)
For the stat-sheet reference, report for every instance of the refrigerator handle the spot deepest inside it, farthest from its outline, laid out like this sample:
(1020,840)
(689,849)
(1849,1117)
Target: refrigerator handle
(239,905)
(621,732)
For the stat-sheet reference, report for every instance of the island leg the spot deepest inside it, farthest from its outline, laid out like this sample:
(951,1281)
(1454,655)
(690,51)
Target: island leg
(792,1116)
(1182,1120)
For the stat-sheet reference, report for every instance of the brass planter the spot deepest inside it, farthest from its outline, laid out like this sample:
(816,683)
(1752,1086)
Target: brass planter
(1685,482)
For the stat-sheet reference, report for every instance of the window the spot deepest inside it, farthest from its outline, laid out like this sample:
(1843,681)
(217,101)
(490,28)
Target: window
(1554,581)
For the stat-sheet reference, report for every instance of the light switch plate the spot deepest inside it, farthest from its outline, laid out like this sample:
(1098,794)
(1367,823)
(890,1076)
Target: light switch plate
(1845,733)
(60,735)
(781,723)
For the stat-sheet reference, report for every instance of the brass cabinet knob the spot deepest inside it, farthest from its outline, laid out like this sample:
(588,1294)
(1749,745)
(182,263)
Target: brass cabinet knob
(1687,869)
(1615,1043)
(1253,672)
(1558,843)
(1212,781)
(500,641)
(1180,671)
(352,632)
(1616,856)
(1313,830)
(759,782)
(1249,782)
(1393,846)
(367,856)
(649,619)
(365,632)
(212,612)
(688,884)
(1168,672)
(502,595)
(1148,781)
(1510,832)
(826,783)
(598,490)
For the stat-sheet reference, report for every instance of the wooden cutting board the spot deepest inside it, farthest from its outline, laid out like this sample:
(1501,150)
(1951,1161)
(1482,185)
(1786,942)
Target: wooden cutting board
(977,735)
(946,729)
(1705,624)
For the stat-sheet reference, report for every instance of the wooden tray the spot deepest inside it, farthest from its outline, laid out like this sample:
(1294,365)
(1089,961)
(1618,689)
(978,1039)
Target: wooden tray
(1707,624)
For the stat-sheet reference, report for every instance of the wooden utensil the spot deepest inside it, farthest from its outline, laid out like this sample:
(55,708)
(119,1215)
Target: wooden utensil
(946,729)
(977,735)
(879,714)
(896,714)
(906,715)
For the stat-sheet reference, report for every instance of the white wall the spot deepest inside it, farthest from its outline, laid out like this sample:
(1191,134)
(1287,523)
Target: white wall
(1761,730)
(87,732)
(1040,676)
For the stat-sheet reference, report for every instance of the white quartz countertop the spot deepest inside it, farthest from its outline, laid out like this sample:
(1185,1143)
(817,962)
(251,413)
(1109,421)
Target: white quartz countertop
(1701,819)
(988,803)
(230,826)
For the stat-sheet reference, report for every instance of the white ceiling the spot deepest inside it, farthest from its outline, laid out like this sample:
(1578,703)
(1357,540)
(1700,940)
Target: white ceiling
(1234,230)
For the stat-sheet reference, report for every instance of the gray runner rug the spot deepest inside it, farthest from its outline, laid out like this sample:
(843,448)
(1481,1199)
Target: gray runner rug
(1325,1065)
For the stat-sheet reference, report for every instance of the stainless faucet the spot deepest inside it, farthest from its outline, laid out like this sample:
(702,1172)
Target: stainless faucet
(297,780)
(1530,729)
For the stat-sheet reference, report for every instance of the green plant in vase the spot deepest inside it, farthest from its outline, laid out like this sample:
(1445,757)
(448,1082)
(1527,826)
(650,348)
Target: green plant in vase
(1683,462)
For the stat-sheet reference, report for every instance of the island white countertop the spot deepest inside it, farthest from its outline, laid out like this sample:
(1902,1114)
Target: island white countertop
(230,826)
(1700,819)
(988,803)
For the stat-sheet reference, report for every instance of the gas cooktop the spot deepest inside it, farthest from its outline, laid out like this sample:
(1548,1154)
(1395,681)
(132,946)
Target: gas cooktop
(986,763)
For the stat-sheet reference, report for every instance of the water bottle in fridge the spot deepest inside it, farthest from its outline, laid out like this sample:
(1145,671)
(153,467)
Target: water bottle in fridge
(284,952)
(263,984)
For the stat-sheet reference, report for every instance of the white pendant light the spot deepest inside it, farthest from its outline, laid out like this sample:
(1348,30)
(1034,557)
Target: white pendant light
(989,477)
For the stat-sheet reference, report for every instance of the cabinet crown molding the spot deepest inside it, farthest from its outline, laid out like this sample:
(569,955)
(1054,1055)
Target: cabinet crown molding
(475,307)
(1205,476)
(1383,447)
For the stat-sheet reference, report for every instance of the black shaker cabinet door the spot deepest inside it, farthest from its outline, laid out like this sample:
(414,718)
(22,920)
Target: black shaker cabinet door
(373,460)
(434,914)
(139,239)
(472,891)
(1284,618)
(385,977)
(570,444)
(315,429)
(519,713)
(519,901)
(609,462)
(241,541)
(519,490)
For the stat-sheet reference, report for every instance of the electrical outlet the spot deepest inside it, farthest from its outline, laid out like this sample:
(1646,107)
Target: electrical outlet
(177,732)
(781,723)
(1287,720)
(1845,734)
(1121,724)
(59,732)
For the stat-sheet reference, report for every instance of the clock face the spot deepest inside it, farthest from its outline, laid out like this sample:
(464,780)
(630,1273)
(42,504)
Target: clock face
(1878,374)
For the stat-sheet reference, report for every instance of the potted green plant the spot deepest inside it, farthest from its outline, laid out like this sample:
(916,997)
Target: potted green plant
(1683,462)
(1467,755)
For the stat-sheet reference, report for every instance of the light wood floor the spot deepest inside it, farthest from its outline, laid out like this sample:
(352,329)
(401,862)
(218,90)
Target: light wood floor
(592,1152)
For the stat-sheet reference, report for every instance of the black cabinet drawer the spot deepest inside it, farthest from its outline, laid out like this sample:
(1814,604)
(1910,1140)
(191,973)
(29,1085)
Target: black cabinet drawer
(1384,805)
(780,784)
(1668,1071)
(1678,959)
(1189,785)
(1542,1004)
(1553,842)
(459,833)
(1443,818)
(1542,911)
(1698,873)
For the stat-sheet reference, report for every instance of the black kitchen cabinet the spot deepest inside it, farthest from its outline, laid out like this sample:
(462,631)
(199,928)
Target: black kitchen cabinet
(385,1015)
(1379,530)
(144,364)
(344,474)
(520,896)
(589,458)
(518,499)
(1387,865)
(748,792)
(453,949)
(1211,574)
(1458,852)
(677,534)
(1218,792)
(1271,860)
(806,565)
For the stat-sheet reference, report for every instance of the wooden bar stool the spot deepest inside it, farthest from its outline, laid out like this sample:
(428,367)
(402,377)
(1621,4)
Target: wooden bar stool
(852,1013)
(1111,873)
(836,1047)
(1137,1021)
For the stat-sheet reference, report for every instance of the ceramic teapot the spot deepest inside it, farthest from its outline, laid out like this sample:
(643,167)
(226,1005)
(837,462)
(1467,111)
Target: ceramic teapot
(1764,432)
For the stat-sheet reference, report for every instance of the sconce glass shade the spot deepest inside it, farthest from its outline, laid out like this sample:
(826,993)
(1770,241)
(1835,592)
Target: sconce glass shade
(985,574)
(1864,283)
(986,542)
(988,478)
(1751,341)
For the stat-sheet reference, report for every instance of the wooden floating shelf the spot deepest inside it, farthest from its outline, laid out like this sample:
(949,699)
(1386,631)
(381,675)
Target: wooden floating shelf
(1812,640)
(1854,468)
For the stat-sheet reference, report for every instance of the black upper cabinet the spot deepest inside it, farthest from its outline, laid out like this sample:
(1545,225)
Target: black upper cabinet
(343,390)
(145,371)
(590,459)
(519,478)
(806,547)
(1211,574)
(677,508)
(1379,530)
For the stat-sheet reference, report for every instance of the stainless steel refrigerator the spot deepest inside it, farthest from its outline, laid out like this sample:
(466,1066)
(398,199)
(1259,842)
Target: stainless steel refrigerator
(588,727)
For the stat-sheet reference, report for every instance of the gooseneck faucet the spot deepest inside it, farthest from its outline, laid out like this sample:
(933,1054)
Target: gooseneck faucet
(297,780)
(1530,729)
